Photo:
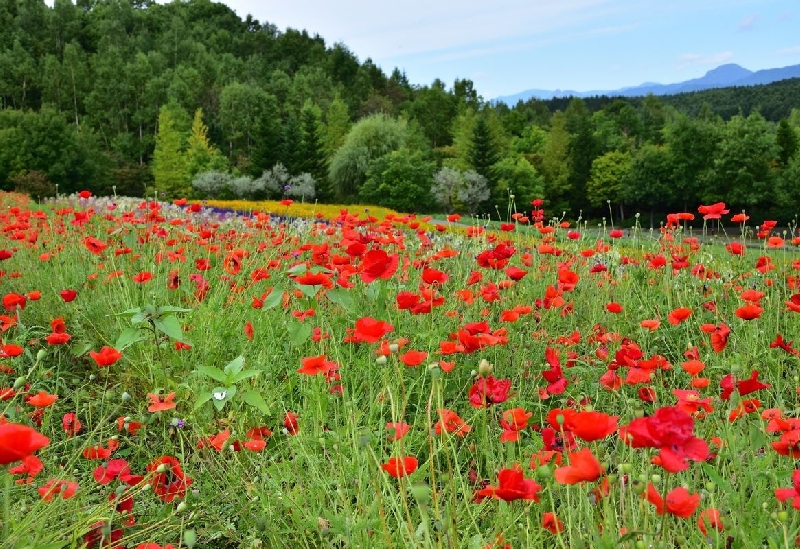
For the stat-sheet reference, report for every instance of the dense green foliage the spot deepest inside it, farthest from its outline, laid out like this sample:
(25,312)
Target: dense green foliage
(85,85)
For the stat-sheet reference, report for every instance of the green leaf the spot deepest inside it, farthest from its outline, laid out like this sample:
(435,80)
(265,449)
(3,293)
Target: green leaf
(273,299)
(299,333)
(213,372)
(254,399)
(128,337)
(297,269)
(244,375)
(171,327)
(343,299)
(172,309)
(221,395)
(308,291)
(234,366)
(202,398)
(80,350)
(129,312)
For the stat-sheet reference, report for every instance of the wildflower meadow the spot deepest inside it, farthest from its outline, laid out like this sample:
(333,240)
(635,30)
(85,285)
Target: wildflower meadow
(173,375)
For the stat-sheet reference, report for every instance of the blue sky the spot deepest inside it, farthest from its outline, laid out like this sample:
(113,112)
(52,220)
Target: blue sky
(508,46)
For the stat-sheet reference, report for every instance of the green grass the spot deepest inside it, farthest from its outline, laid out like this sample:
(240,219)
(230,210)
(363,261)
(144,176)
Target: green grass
(324,485)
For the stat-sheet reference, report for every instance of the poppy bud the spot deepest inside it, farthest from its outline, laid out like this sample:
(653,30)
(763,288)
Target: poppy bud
(638,487)
(126,396)
(182,506)
(485,368)
(120,490)
(544,472)
(782,516)
(624,468)
(40,355)
(189,538)
(19,383)
(381,361)
(655,479)
(162,468)
(393,347)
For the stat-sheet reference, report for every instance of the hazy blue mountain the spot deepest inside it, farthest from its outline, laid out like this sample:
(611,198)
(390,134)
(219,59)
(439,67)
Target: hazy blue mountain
(723,76)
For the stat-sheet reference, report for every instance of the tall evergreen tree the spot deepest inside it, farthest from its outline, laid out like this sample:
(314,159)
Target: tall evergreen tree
(313,149)
(170,169)
(292,145)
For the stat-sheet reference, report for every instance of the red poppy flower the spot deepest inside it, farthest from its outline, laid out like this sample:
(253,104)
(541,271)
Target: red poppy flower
(791,494)
(679,315)
(58,326)
(68,295)
(397,430)
(12,301)
(377,264)
(400,467)
(591,425)
(368,330)
(512,485)
(30,466)
(671,430)
(434,276)
(552,523)
(488,390)
(714,211)
(583,466)
(42,399)
(158,405)
(106,357)
(85,194)
(452,423)
(290,422)
(413,358)
(70,424)
(54,486)
(614,307)
(749,312)
(94,245)
(315,365)
(57,339)
(18,441)
(143,277)
(710,518)
(168,479)
(679,501)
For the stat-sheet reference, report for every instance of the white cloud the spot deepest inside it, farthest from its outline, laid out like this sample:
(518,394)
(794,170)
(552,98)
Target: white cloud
(687,60)
(785,15)
(749,22)
(795,50)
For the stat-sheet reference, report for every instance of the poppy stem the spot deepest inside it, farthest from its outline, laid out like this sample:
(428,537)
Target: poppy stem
(6,502)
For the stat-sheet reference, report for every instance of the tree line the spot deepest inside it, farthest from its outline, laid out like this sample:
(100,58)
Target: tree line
(188,99)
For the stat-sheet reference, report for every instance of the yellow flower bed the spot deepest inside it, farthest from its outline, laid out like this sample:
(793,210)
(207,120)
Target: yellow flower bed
(308,210)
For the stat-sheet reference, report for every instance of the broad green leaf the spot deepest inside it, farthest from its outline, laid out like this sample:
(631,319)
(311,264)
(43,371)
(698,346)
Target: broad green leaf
(298,269)
(172,309)
(244,375)
(343,299)
(202,398)
(129,312)
(80,350)
(171,327)
(213,372)
(372,292)
(308,291)
(299,332)
(234,366)
(221,395)
(254,399)
(128,337)
(273,299)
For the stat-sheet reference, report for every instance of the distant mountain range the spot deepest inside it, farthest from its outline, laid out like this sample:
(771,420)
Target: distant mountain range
(722,77)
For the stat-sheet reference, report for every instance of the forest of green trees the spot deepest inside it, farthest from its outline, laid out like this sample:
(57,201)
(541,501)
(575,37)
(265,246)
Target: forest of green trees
(188,99)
